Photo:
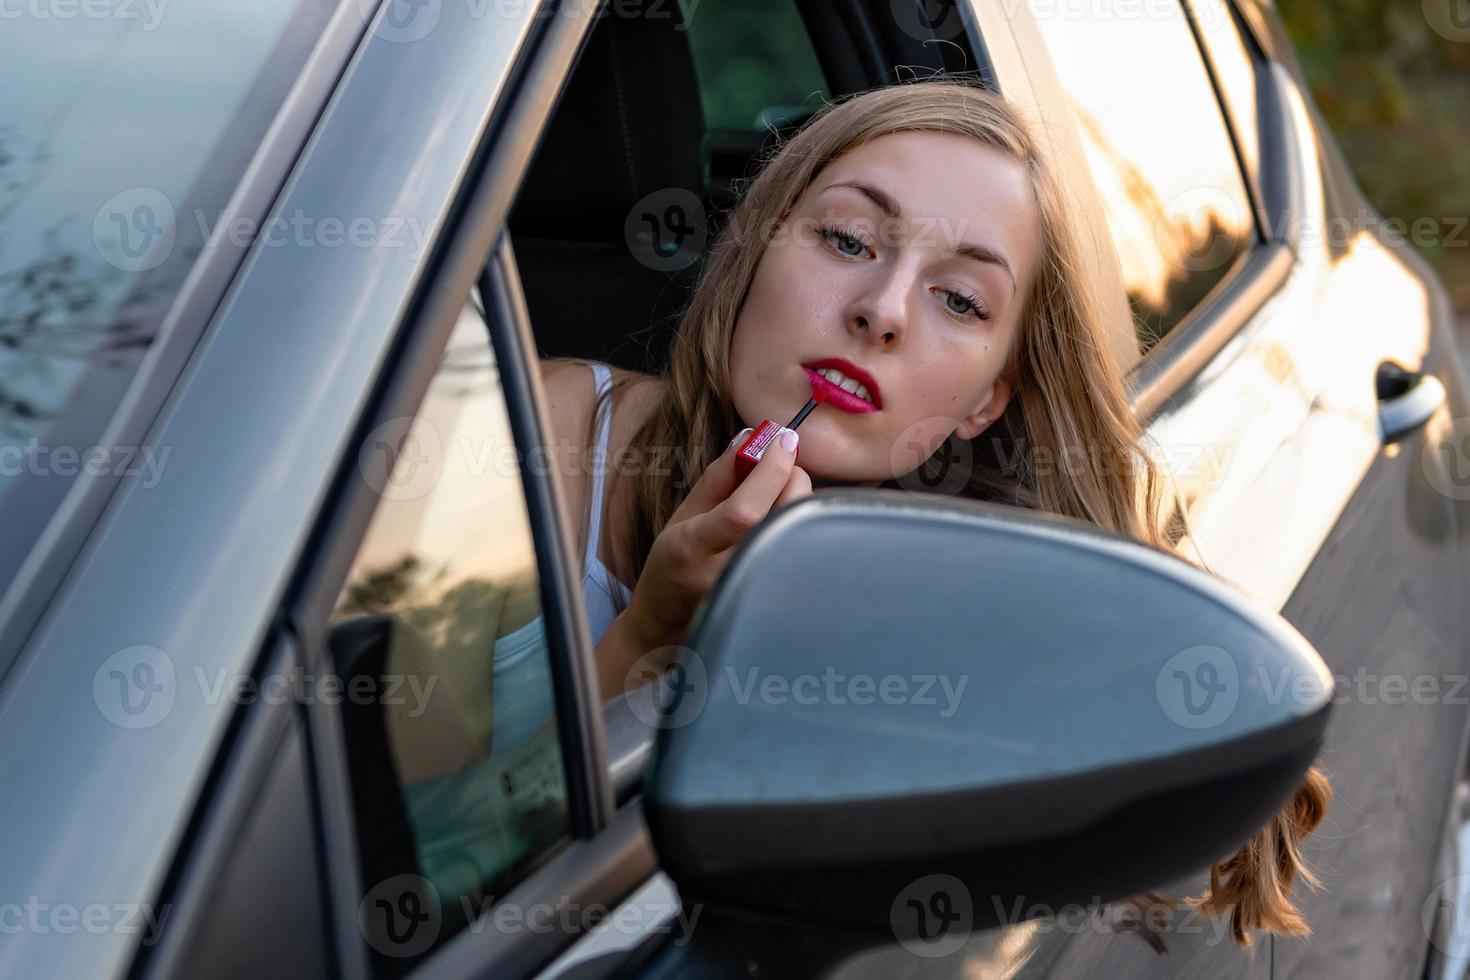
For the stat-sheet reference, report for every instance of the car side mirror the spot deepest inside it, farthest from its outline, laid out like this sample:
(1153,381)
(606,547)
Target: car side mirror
(888,687)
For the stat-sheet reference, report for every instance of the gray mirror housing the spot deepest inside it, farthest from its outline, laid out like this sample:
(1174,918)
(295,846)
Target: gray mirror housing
(887,687)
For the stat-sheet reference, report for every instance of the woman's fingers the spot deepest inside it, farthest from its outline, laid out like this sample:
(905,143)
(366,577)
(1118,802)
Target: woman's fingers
(798,485)
(714,484)
(729,521)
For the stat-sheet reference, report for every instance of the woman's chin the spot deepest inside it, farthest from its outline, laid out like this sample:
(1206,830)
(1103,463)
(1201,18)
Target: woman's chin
(822,478)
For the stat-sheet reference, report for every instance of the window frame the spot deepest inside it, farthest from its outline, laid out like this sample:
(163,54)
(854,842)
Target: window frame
(607,854)
(1166,371)
(26,596)
(1162,375)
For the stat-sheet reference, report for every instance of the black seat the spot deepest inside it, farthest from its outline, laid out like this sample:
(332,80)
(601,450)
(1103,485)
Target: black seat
(629,124)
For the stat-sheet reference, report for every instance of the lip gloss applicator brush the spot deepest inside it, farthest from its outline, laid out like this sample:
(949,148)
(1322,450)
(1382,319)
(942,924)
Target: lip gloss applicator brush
(759,441)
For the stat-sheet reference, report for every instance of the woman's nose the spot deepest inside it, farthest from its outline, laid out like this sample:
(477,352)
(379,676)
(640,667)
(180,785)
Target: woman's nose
(883,310)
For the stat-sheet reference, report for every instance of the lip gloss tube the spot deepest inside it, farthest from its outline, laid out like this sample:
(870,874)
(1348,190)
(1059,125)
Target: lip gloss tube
(760,440)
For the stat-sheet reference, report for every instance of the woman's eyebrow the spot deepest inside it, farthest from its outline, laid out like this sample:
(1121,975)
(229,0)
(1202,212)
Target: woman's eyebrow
(980,253)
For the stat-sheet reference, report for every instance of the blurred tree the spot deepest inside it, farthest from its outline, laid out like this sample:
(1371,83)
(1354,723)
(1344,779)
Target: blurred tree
(1396,92)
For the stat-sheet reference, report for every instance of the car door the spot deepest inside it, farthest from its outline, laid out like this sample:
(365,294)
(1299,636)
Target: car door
(300,547)
(1307,474)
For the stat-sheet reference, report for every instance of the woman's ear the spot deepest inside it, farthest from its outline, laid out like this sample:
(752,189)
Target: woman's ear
(980,419)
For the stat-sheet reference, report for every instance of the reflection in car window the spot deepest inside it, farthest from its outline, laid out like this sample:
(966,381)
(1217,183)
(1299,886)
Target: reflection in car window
(1158,148)
(754,61)
(116,158)
(458,783)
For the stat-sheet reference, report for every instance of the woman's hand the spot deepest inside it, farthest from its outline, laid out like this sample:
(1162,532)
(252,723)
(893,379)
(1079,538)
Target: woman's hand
(690,552)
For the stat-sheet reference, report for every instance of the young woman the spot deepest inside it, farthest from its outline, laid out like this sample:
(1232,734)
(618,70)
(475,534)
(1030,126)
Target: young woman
(914,237)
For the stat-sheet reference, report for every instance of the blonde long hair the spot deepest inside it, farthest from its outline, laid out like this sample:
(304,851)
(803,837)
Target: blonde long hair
(1068,395)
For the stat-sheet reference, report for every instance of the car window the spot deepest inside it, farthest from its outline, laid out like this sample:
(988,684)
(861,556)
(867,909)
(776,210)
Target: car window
(117,158)
(459,788)
(754,60)
(1158,148)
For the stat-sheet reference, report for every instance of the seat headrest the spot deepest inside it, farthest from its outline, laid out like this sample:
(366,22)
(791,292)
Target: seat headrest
(628,124)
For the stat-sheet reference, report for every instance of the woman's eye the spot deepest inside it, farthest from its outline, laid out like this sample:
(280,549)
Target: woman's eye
(964,305)
(843,242)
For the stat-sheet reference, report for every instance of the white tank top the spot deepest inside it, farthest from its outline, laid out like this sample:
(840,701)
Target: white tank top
(522,673)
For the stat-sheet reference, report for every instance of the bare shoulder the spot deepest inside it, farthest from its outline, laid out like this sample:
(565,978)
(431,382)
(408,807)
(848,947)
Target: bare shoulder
(570,393)
(569,390)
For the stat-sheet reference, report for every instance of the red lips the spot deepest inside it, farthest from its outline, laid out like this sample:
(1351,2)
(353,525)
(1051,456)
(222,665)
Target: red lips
(844,399)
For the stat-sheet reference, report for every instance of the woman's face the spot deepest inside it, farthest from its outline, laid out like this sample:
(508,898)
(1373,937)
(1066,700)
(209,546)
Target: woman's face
(910,258)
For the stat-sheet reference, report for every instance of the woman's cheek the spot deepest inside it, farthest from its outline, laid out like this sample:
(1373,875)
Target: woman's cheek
(916,443)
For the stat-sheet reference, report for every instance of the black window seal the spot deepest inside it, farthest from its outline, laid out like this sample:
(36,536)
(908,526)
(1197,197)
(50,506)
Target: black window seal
(1165,372)
(1249,175)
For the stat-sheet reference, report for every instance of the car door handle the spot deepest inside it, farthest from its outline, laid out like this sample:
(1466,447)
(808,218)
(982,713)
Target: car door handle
(1406,399)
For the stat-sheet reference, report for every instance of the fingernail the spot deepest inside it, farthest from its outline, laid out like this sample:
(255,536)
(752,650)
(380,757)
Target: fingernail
(788,439)
(738,436)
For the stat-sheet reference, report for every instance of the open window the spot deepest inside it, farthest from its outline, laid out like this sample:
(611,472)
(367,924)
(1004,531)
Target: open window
(668,107)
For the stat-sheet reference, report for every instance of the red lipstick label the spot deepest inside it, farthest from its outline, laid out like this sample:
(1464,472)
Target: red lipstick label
(755,447)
